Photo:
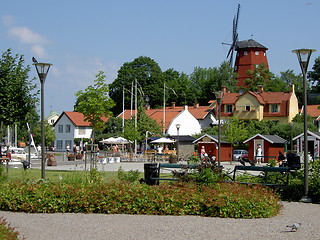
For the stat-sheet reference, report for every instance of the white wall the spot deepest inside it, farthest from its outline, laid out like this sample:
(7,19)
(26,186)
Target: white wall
(189,125)
(74,132)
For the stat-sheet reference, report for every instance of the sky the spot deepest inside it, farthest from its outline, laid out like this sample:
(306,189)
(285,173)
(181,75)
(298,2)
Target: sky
(81,37)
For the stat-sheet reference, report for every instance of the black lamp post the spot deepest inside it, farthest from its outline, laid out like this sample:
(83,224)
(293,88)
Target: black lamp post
(178,125)
(303,58)
(42,70)
(219,96)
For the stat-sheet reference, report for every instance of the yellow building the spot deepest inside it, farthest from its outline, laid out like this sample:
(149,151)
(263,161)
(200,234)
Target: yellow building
(260,106)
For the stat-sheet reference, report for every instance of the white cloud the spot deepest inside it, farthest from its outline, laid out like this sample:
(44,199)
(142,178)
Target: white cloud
(27,36)
(38,51)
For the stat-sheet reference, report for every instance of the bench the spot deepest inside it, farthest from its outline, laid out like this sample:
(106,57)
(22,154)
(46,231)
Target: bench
(152,171)
(283,170)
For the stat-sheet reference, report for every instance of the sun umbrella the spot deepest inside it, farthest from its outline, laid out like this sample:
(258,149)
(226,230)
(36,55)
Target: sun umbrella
(110,140)
(163,140)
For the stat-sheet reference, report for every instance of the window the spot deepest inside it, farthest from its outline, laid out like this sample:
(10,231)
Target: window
(247,107)
(82,131)
(245,53)
(52,121)
(68,143)
(274,108)
(256,53)
(68,128)
(59,144)
(228,108)
(60,128)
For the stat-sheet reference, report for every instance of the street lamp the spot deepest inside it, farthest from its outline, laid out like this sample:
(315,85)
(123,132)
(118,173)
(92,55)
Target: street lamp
(178,125)
(42,70)
(303,58)
(219,96)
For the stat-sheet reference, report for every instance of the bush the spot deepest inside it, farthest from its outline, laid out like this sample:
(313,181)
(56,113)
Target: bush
(131,176)
(204,173)
(223,200)
(6,231)
(2,173)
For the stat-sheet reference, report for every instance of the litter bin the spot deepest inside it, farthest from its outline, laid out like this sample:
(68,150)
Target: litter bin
(151,170)
(293,161)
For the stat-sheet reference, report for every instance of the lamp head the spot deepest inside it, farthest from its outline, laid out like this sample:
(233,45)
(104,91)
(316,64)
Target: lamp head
(42,70)
(303,58)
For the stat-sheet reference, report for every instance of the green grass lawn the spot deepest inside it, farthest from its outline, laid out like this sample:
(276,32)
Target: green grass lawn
(54,175)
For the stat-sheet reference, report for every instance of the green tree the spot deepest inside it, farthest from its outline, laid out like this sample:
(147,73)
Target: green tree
(234,131)
(144,123)
(17,96)
(206,81)
(261,75)
(113,127)
(178,88)
(314,76)
(49,134)
(289,78)
(94,102)
(149,79)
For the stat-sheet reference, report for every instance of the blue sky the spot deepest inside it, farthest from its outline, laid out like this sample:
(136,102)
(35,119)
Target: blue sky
(82,37)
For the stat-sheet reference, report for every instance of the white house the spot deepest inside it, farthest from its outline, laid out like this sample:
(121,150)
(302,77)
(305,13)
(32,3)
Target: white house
(189,125)
(70,125)
(53,117)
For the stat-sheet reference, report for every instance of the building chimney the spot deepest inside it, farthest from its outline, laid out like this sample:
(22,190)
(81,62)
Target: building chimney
(292,88)
(260,89)
(173,104)
(196,105)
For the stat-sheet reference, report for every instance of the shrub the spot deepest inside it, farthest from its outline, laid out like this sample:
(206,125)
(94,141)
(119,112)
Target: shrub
(204,173)
(6,231)
(130,176)
(2,174)
(222,200)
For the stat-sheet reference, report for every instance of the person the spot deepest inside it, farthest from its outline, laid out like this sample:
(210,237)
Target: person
(115,148)
(166,150)
(160,148)
(203,153)
(259,154)
(75,149)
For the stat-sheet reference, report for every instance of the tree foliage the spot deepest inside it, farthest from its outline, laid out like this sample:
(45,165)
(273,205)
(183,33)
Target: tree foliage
(144,123)
(94,102)
(205,81)
(17,95)
(235,130)
(49,134)
(314,75)
(149,79)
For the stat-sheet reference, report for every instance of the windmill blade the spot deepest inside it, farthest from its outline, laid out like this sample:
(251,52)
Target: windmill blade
(235,22)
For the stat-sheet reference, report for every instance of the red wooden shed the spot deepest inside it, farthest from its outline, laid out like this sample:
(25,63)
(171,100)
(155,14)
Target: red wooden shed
(210,142)
(270,144)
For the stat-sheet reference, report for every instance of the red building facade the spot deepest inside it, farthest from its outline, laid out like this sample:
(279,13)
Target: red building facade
(249,54)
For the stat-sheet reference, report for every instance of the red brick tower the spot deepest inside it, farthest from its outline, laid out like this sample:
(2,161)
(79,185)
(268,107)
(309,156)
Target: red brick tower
(249,54)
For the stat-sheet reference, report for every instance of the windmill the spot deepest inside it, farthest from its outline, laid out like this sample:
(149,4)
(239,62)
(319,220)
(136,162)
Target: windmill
(234,37)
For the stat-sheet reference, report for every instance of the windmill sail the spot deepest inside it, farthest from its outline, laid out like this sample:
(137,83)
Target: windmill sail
(234,36)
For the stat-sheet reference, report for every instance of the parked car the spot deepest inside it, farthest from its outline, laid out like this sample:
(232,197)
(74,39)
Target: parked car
(240,154)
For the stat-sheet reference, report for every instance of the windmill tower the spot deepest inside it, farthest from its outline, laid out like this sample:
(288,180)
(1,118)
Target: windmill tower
(249,53)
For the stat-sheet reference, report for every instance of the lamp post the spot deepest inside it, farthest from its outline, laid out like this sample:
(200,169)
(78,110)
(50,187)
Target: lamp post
(219,96)
(178,125)
(42,70)
(303,58)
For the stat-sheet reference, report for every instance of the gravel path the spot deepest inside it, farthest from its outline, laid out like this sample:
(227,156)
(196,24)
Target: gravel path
(69,226)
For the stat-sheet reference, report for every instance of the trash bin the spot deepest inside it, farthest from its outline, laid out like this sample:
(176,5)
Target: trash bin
(293,161)
(151,170)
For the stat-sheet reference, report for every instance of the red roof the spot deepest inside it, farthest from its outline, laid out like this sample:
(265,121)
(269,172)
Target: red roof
(313,110)
(77,119)
(199,112)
